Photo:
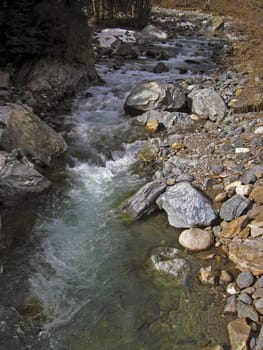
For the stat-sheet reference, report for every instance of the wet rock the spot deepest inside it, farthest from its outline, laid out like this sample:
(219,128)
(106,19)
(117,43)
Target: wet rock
(247,311)
(151,32)
(152,125)
(184,178)
(214,24)
(150,151)
(239,333)
(160,68)
(186,206)
(196,239)
(234,207)
(126,50)
(207,101)
(245,279)
(247,254)
(32,136)
(208,275)
(18,182)
(143,201)
(154,95)
(169,260)
(230,307)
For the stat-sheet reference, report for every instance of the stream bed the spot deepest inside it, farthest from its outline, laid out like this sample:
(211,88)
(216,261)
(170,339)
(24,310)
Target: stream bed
(84,263)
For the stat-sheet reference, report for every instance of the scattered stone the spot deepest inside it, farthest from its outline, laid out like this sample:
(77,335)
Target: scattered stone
(232,289)
(257,194)
(244,190)
(234,207)
(246,311)
(245,298)
(239,332)
(245,280)
(259,342)
(258,293)
(196,240)
(221,197)
(143,201)
(186,206)
(230,306)
(225,277)
(259,305)
(233,228)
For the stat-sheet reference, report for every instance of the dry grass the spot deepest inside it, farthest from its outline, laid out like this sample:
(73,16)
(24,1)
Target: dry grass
(248,14)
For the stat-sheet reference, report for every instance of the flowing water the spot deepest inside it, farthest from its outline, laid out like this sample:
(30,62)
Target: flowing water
(88,267)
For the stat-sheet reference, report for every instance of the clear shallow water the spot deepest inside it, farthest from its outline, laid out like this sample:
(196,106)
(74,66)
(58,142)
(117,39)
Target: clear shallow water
(90,267)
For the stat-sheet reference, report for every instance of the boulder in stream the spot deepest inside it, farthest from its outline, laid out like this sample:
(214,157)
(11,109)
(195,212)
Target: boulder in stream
(28,133)
(169,260)
(186,206)
(143,201)
(150,95)
(151,33)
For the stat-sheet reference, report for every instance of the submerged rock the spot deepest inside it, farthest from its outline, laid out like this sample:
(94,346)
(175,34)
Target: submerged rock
(18,182)
(239,332)
(169,260)
(32,136)
(151,95)
(186,206)
(143,201)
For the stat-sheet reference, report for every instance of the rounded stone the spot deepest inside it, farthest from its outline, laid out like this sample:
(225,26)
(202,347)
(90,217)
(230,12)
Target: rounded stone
(196,239)
(245,279)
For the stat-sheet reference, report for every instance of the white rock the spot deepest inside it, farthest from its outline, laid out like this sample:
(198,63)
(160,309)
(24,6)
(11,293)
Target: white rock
(259,130)
(244,190)
(242,150)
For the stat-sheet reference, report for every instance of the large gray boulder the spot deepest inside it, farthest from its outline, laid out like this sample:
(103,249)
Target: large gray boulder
(170,261)
(151,95)
(143,201)
(208,102)
(28,133)
(186,206)
(18,182)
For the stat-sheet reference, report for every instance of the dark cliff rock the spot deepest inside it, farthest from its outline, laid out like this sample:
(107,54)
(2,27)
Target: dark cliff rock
(32,30)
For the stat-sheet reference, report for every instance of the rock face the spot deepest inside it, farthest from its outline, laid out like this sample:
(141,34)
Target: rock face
(208,102)
(247,254)
(186,206)
(49,74)
(143,201)
(151,95)
(169,260)
(32,136)
(18,182)
(239,332)
(196,239)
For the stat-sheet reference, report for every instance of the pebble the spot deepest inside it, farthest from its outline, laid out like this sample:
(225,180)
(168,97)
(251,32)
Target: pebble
(245,280)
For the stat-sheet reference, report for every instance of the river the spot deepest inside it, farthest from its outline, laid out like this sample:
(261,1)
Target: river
(85,264)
